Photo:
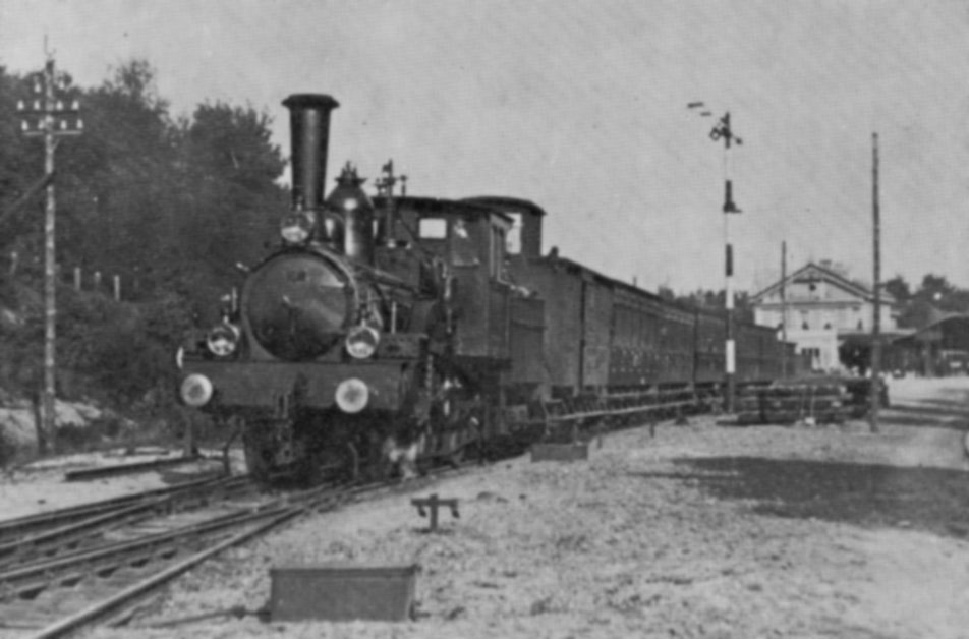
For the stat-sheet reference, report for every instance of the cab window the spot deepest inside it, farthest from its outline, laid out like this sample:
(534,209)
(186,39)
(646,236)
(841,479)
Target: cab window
(432,228)
(464,248)
(513,242)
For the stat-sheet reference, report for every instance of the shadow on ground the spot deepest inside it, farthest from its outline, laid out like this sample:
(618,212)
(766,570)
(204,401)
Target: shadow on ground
(930,499)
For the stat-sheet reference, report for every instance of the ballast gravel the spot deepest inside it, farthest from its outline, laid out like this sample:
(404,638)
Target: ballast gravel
(702,530)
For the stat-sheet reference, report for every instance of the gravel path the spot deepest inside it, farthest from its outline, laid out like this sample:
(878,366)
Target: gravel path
(701,531)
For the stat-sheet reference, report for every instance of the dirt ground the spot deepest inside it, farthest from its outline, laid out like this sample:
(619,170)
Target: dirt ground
(704,530)
(40,486)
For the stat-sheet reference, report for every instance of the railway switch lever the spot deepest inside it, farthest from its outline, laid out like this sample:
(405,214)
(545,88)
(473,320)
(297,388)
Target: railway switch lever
(434,504)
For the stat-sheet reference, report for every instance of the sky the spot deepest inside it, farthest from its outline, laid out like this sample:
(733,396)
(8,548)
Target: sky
(581,106)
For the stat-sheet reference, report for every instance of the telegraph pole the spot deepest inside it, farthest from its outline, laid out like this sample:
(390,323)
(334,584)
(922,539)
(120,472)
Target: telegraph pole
(875,394)
(47,119)
(784,309)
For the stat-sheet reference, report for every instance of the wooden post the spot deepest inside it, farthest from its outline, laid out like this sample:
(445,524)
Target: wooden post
(42,441)
(784,309)
(875,396)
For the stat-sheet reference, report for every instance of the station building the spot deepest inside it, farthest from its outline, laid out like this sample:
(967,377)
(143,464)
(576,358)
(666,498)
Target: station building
(825,313)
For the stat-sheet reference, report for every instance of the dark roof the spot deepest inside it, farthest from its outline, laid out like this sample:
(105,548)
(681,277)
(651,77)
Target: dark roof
(438,205)
(516,204)
(933,332)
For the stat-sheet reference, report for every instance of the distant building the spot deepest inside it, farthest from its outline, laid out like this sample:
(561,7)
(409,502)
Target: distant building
(824,310)
(941,348)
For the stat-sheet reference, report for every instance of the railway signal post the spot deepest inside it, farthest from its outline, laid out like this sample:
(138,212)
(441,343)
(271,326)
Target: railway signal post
(722,130)
(51,120)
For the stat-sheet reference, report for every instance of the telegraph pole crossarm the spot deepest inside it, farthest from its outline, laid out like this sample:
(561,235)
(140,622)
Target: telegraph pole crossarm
(50,119)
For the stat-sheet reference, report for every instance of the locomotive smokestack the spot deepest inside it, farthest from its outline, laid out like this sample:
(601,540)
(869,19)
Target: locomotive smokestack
(309,125)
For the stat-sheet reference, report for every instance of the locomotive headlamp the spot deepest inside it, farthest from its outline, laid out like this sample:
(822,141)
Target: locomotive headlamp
(223,340)
(297,226)
(362,341)
(196,390)
(352,395)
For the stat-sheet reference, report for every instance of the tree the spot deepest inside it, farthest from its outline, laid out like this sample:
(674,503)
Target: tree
(171,203)
(934,288)
(118,192)
(228,169)
(898,288)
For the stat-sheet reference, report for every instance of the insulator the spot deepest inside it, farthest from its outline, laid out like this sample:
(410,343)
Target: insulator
(59,106)
(74,105)
(80,124)
(20,105)
(63,125)
(36,105)
(24,126)
(38,88)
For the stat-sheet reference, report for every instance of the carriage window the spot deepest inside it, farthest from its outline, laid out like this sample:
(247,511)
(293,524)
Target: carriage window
(432,229)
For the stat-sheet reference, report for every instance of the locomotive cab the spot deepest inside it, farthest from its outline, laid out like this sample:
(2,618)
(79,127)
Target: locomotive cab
(469,243)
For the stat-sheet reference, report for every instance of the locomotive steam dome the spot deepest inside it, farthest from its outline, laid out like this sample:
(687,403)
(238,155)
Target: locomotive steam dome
(298,306)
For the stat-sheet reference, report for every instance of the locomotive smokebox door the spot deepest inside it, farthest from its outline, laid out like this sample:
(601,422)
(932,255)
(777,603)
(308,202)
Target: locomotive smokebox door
(341,592)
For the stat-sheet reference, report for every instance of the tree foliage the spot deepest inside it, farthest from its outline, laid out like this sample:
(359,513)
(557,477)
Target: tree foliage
(168,204)
(934,299)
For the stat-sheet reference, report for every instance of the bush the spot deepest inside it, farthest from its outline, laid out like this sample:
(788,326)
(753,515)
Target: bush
(117,354)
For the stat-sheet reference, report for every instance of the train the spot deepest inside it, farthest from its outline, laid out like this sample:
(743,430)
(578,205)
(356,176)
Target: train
(391,328)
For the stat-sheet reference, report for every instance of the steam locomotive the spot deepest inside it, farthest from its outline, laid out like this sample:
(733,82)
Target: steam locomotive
(401,327)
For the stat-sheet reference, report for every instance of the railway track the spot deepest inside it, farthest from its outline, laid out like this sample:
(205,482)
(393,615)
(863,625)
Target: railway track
(53,563)
(46,533)
(70,569)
